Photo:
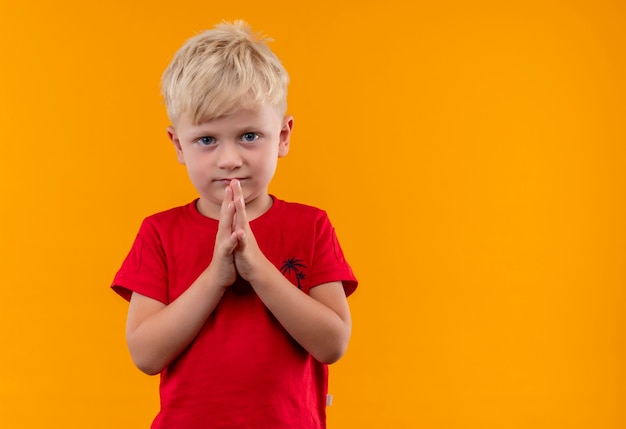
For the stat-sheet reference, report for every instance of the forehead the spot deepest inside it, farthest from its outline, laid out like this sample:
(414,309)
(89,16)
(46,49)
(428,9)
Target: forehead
(264,115)
(204,105)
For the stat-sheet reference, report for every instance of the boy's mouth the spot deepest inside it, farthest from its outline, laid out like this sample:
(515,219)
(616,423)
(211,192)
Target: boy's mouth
(227,181)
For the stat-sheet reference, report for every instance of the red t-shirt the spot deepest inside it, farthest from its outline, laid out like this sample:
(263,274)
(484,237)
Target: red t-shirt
(243,370)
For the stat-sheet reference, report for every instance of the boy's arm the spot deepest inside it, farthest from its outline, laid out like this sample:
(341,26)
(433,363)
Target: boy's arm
(320,322)
(157,333)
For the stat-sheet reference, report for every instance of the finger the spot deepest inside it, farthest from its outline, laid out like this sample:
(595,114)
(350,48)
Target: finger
(237,191)
(242,238)
(241,217)
(228,197)
(232,243)
(227,211)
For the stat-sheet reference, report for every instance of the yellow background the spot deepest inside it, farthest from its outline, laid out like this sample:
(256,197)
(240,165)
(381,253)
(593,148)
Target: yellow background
(470,154)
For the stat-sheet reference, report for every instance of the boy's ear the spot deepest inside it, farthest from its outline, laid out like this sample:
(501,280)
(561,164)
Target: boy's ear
(171,133)
(285,136)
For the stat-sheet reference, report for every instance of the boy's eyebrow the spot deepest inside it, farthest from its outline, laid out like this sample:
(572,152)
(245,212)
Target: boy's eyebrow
(250,126)
(205,129)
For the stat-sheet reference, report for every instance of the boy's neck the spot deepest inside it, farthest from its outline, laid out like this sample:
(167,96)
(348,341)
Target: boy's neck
(254,208)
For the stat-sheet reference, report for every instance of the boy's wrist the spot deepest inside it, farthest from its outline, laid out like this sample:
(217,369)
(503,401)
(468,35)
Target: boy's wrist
(260,270)
(212,277)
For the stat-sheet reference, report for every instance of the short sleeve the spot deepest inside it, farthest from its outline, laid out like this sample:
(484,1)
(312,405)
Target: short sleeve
(329,262)
(144,270)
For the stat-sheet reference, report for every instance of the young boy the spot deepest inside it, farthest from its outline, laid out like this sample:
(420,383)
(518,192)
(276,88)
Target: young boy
(237,299)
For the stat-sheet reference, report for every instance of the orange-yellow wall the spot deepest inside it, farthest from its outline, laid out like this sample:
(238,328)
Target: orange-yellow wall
(471,155)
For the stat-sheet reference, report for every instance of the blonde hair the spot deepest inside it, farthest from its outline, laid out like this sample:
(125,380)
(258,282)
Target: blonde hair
(222,70)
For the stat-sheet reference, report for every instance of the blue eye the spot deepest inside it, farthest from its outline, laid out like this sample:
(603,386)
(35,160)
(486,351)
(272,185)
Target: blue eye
(249,137)
(206,141)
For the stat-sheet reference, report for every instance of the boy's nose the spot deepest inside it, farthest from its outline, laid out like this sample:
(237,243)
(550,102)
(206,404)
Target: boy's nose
(229,157)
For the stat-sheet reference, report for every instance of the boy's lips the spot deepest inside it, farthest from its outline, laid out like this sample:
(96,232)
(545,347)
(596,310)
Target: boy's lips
(227,181)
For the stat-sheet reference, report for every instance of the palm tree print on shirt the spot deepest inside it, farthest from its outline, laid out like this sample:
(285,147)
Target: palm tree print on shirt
(294,265)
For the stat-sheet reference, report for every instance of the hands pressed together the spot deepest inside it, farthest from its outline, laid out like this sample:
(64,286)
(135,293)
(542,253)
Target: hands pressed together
(236,250)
